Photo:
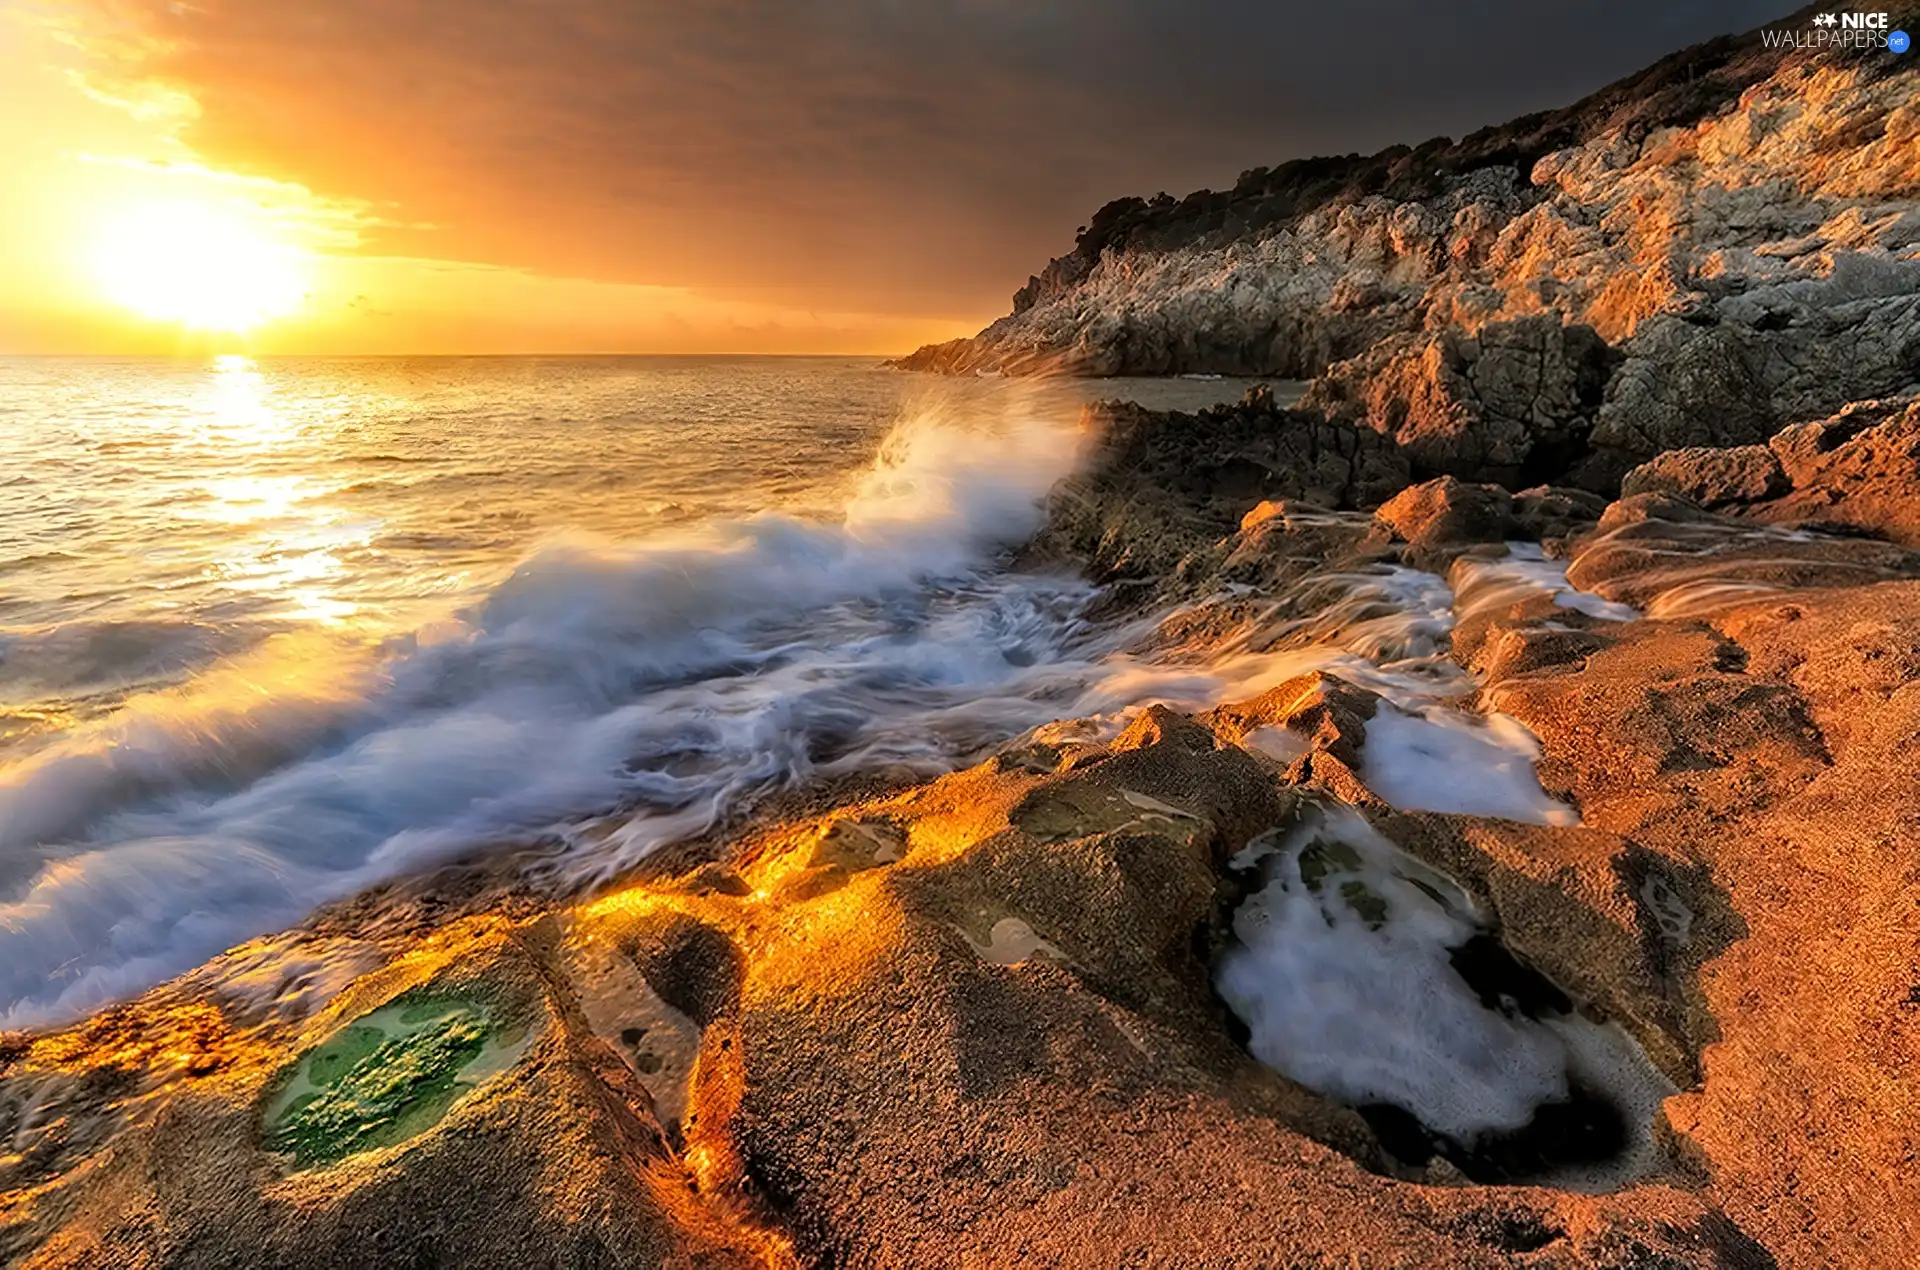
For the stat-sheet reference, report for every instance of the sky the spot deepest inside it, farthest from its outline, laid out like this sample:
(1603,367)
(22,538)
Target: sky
(431,176)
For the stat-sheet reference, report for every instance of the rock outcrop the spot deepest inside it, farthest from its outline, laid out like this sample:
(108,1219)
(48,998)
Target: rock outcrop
(977,1020)
(1514,402)
(1858,470)
(1159,485)
(1698,255)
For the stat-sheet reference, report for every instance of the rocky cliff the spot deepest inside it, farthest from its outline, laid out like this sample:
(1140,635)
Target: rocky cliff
(1724,243)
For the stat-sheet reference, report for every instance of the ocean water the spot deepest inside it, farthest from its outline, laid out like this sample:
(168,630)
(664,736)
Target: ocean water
(272,632)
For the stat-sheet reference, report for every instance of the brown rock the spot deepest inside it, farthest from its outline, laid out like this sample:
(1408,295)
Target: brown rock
(1773,747)
(1547,512)
(1859,469)
(1161,485)
(1713,478)
(1511,403)
(1668,557)
(1325,711)
(1446,513)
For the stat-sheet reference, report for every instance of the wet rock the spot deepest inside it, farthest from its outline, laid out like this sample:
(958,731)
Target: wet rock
(1280,543)
(1508,652)
(1324,712)
(1445,513)
(554,1158)
(386,1077)
(1857,471)
(1669,557)
(1711,477)
(1548,512)
(693,966)
(987,1047)
(1004,1036)
(1160,485)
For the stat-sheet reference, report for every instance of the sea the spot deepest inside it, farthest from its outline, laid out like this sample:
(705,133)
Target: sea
(275,631)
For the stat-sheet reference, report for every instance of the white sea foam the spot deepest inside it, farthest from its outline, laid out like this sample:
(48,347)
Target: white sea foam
(1485,585)
(1441,759)
(669,682)
(678,678)
(1345,980)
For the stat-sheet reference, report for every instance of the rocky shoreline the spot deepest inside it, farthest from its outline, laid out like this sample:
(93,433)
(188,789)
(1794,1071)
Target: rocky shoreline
(1543,894)
(985,1019)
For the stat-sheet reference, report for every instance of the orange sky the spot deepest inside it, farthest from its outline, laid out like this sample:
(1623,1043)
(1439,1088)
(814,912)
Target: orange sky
(683,175)
(96,170)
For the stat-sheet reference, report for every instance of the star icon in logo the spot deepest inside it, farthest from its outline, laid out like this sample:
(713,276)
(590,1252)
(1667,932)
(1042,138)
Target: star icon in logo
(1825,19)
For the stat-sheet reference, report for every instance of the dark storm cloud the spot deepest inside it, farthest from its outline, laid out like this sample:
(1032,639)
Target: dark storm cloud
(904,155)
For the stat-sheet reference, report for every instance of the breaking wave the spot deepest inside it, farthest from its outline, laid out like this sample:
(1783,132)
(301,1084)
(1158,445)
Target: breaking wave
(676,678)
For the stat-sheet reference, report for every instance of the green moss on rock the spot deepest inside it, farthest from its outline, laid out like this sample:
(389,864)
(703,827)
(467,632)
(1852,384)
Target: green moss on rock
(387,1077)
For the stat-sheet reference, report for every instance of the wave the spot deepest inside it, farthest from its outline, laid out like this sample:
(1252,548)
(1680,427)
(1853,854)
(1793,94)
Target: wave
(675,679)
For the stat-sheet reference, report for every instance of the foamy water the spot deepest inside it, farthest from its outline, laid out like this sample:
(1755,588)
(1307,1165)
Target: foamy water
(274,633)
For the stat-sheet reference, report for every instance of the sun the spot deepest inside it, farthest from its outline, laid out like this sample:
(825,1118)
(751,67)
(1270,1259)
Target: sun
(204,265)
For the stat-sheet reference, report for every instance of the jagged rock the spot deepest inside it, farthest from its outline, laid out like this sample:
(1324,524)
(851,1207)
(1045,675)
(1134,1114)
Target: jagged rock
(1511,403)
(1550,512)
(1858,471)
(1445,512)
(1683,386)
(1326,712)
(1161,485)
(1504,652)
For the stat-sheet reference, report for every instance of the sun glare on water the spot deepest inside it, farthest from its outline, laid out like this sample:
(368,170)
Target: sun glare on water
(208,267)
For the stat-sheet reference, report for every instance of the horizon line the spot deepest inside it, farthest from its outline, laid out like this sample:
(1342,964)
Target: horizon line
(279,356)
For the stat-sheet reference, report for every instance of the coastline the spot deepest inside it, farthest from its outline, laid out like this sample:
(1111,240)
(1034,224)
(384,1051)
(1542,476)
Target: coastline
(854,987)
(1543,694)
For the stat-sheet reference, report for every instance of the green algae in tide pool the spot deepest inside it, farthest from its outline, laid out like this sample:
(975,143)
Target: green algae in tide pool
(388,1076)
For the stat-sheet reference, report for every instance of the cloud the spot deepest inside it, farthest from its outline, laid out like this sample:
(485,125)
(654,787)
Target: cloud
(905,156)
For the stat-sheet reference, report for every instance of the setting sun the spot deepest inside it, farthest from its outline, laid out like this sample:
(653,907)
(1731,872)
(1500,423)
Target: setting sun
(203,265)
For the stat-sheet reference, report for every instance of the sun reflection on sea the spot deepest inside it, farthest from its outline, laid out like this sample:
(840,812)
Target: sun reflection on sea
(237,407)
(289,536)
